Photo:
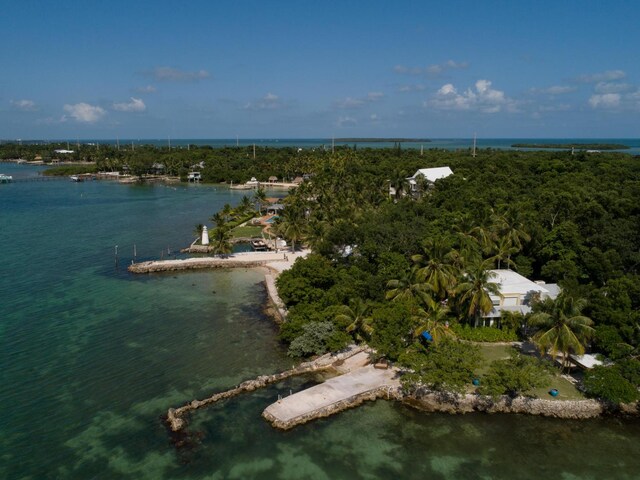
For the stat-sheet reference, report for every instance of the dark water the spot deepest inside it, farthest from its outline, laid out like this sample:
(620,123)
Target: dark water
(91,357)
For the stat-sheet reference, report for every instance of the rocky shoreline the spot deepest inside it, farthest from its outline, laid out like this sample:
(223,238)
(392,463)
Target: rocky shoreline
(444,402)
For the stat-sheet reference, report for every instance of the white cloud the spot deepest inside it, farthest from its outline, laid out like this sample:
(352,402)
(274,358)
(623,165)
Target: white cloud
(83,112)
(613,87)
(146,89)
(351,103)
(602,76)
(347,121)
(605,100)
(433,70)
(168,74)
(135,105)
(412,88)
(24,105)
(483,99)
(269,102)
(554,90)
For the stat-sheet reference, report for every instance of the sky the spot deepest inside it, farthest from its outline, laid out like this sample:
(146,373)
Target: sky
(319,69)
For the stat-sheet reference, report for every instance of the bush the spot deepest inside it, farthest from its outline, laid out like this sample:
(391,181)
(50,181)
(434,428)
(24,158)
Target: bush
(447,366)
(515,376)
(607,383)
(484,334)
(318,338)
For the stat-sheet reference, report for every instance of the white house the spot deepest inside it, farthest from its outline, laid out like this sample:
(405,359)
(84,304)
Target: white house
(516,292)
(429,174)
(62,150)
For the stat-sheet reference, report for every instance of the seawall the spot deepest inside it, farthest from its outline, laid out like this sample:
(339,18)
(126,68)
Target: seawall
(452,403)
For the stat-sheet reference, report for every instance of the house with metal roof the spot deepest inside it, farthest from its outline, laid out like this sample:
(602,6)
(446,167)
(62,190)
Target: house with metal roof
(428,174)
(516,293)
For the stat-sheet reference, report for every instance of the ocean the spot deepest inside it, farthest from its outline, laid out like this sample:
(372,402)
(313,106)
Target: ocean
(441,143)
(91,358)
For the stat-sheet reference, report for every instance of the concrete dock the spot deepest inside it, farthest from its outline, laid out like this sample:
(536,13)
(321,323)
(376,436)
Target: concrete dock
(275,261)
(334,395)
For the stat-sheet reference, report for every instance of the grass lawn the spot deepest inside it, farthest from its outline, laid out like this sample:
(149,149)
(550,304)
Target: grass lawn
(247,231)
(567,391)
(491,353)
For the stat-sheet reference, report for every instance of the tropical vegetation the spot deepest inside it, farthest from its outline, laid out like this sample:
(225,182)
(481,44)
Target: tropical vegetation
(420,262)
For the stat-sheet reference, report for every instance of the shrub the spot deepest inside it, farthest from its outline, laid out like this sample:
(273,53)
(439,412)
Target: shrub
(608,384)
(484,334)
(515,376)
(445,366)
(318,338)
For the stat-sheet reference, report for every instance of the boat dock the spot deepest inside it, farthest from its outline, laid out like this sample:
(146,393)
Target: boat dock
(275,261)
(334,395)
(175,416)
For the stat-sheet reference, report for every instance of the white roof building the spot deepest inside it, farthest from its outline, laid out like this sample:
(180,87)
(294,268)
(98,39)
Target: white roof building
(62,150)
(516,292)
(430,175)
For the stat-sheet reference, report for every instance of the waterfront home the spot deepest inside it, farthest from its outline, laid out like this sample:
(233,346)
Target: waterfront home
(157,169)
(516,293)
(194,176)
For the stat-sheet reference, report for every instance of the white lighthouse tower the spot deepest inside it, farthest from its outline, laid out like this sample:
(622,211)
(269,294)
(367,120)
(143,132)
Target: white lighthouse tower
(205,236)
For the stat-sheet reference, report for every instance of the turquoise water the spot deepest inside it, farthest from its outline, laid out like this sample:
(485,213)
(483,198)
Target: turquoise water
(443,143)
(92,357)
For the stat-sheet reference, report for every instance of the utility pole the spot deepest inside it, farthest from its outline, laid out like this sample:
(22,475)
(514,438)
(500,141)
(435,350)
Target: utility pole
(474,146)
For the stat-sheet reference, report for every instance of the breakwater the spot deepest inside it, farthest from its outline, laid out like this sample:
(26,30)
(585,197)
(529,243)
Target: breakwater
(175,416)
(200,263)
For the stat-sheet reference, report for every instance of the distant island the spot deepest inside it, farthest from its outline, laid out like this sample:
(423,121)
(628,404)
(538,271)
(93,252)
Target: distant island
(383,140)
(586,146)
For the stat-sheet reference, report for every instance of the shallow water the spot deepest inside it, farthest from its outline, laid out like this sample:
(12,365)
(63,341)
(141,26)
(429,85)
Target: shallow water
(92,357)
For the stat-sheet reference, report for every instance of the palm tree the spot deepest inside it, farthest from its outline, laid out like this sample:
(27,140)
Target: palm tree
(356,315)
(409,286)
(433,319)
(292,225)
(221,244)
(436,267)
(227,211)
(474,291)
(563,328)
(399,183)
(260,198)
(245,204)
(510,230)
(503,250)
(218,219)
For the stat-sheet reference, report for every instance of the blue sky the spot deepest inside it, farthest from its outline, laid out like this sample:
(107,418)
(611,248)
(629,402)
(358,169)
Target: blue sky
(283,69)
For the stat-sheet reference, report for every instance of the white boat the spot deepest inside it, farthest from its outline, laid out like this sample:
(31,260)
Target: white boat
(5,178)
(75,178)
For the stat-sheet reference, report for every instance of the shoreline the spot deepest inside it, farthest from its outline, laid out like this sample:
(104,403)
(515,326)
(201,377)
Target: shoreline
(422,399)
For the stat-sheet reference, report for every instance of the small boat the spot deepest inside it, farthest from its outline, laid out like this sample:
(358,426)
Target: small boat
(75,178)
(5,178)
(259,245)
